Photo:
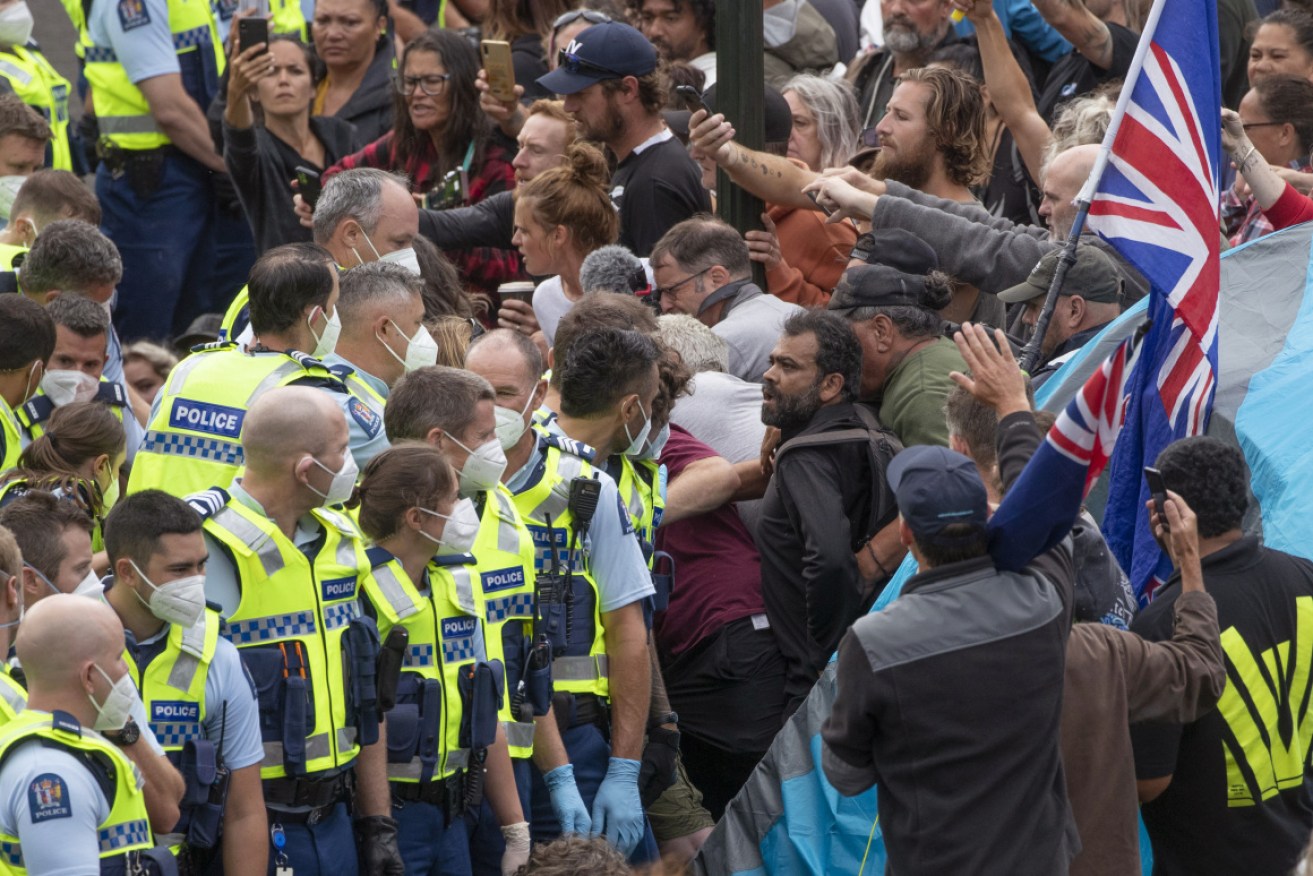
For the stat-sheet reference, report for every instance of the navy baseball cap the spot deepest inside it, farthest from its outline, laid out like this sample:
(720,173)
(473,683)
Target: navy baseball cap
(936,488)
(610,50)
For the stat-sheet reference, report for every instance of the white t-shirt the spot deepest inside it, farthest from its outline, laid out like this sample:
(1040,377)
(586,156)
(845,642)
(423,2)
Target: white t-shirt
(724,412)
(549,305)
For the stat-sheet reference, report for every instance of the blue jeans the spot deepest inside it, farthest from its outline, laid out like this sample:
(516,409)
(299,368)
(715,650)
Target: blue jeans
(486,842)
(428,844)
(326,847)
(166,242)
(590,753)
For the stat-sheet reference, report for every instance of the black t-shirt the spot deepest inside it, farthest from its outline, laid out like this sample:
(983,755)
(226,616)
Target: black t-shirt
(1239,800)
(1073,75)
(654,190)
(1010,193)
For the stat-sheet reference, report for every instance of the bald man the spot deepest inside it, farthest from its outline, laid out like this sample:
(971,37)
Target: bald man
(71,745)
(285,571)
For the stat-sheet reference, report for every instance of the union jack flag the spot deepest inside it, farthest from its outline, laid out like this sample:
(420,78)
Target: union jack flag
(1157,204)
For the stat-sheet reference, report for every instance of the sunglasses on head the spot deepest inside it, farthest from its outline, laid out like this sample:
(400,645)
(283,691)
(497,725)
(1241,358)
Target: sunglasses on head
(573,63)
(592,16)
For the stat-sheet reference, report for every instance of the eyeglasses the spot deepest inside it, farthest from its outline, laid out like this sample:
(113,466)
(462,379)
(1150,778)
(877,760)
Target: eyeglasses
(1249,125)
(432,84)
(659,291)
(575,64)
(592,16)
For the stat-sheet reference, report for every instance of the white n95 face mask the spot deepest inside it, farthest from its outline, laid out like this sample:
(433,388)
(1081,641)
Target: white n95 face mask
(510,425)
(421,349)
(326,343)
(483,467)
(459,533)
(180,602)
(16,25)
(65,386)
(344,480)
(90,586)
(406,258)
(112,714)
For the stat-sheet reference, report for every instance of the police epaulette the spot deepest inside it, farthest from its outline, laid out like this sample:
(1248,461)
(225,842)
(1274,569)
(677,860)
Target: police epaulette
(214,347)
(378,556)
(307,361)
(209,502)
(342,371)
(111,394)
(571,446)
(454,560)
(214,606)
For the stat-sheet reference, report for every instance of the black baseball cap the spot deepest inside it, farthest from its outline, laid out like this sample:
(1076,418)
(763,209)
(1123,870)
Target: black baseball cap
(1093,277)
(937,488)
(896,248)
(610,50)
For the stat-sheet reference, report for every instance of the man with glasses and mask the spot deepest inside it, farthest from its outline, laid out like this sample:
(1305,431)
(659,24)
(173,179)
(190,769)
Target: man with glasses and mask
(193,440)
(609,78)
(702,268)
(197,697)
(285,572)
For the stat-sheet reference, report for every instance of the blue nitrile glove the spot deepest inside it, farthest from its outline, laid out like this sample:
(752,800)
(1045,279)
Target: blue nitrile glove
(617,810)
(569,807)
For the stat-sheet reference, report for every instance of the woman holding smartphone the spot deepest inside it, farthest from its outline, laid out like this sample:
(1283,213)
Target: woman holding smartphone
(268,133)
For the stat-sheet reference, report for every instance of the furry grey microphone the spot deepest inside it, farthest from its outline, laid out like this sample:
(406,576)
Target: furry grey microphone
(612,269)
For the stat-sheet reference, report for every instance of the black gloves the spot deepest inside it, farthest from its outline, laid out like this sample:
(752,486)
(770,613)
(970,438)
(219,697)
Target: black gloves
(376,845)
(658,765)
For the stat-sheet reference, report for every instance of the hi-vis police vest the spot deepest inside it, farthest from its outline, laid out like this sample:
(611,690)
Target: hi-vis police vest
(171,680)
(239,311)
(642,486)
(37,84)
(582,668)
(193,442)
(446,635)
(11,437)
(122,112)
(505,553)
(13,698)
(292,628)
(127,827)
(34,413)
(288,18)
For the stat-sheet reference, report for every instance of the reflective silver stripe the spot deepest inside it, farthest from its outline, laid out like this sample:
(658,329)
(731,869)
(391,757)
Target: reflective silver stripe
(460,575)
(16,700)
(567,469)
(390,587)
(255,538)
(518,735)
(346,551)
(458,758)
(128,124)
(13,71)
(315,747)
(508,537)
(178,376)
(346,738)
(411,770)
(273,379)
(185,667)
(193,637)
(588,668)
(634,504)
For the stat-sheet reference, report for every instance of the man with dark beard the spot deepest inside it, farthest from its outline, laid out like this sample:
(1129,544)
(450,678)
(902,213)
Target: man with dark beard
(610,80)
(817,512)
(912,30)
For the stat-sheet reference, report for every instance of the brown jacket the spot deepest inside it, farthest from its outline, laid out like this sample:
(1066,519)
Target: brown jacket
(1114,679)
(813,255)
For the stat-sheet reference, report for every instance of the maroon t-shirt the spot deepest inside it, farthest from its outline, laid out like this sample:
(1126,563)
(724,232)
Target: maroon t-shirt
(717,569)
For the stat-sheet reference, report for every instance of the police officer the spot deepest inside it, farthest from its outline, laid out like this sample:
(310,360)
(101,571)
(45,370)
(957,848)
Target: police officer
(31,77)
(27,338)
(193,440)
(45,196)
(383,337)
(602,667)
(447,701)
(71,800)
(362,215)
(13,696)
(75,370)
(198,699)
(153,67)
(453,410)
(286,572)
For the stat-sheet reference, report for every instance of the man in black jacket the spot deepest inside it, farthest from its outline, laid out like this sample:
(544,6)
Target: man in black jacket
(951,698)
(817,510)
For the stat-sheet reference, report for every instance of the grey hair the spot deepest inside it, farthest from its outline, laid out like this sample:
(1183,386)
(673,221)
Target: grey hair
(353,194)
(609,269)
(69,256)
(374,282)
(699,347)
(835,108)
(1080,122)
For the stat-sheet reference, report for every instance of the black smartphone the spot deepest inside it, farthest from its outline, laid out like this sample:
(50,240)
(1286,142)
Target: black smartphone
(253,31)
(1158,491)
(817,201)
(307,185)
(692,98)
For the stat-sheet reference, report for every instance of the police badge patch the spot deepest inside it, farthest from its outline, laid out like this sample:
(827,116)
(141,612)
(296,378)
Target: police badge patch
(47,798)
(133,14)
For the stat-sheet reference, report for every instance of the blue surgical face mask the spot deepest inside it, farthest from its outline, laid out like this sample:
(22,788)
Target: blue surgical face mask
(657,444)
(639,441)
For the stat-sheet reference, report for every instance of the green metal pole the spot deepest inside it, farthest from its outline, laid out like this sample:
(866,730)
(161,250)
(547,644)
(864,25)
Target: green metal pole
(740,78)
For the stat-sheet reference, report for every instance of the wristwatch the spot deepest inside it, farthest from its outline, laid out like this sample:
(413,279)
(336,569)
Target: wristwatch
(127,736)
